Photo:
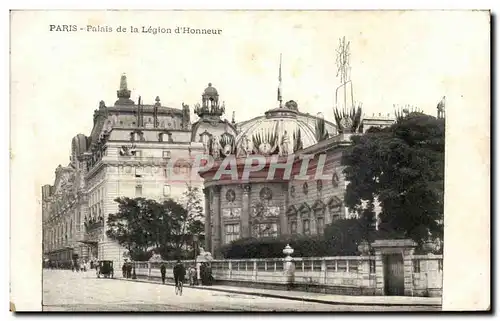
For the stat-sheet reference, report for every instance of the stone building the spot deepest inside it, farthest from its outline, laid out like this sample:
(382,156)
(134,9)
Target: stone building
(271,201)
(139,150)
(133,150)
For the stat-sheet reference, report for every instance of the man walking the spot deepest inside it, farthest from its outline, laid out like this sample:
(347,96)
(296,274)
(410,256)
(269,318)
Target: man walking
(179,273)
(163,271)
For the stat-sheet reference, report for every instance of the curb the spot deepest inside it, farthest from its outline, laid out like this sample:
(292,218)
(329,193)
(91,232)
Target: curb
(288,297)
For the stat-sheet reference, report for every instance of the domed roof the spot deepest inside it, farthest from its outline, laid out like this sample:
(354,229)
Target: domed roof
(211,91)
(277,126)
(80,144)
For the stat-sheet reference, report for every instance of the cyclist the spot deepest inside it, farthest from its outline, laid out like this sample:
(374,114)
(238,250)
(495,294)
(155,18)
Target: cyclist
(179,273)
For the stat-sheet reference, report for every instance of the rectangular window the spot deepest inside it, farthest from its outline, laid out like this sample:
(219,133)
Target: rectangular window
(293,227)
(306,227)
(138,172)
(138,190)
(232,232)
(335,214)
(320,225)
(166,154)
(166,190)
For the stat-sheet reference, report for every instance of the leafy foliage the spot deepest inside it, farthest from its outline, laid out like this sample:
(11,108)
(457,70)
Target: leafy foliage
(401,167)
(340,238)
(143,225)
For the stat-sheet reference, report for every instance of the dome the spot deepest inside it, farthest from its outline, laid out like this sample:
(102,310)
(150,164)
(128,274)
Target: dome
(79,144)
(279,129)
(210,91)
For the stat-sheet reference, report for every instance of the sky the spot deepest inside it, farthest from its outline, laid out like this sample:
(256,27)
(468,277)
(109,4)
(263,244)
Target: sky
(58,78)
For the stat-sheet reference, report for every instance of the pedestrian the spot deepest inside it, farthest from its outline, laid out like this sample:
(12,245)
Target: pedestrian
(203,273)
(124,269)
(192,275)
(129,270)
(163,271)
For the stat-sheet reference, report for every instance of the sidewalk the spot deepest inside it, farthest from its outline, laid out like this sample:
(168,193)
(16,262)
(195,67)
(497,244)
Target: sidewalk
(313,297)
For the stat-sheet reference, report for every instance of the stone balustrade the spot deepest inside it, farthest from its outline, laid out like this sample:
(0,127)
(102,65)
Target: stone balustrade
(348,275)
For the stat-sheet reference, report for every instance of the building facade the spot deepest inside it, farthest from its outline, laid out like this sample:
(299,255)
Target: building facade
(135,149)
(298,189)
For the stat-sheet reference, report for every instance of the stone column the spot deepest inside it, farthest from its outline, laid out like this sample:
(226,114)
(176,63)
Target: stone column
(312,222)
(245,211)
(283,219)
(434,276)
(364,274)
(208,220)
(300,227)
(408,270)
(217,238)
(289,267)
(379,273)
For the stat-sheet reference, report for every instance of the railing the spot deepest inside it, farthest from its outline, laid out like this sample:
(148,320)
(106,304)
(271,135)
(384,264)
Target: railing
(349,271)
(342,274)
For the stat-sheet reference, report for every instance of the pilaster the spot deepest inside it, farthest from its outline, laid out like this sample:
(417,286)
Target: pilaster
(245,212)
(208,220)
(379,273)
(408,271)
(283,219)
(217,239)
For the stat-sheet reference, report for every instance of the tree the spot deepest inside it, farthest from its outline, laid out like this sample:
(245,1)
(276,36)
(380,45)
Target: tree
(126,226)
(401,167)
(190,220)
(142,225)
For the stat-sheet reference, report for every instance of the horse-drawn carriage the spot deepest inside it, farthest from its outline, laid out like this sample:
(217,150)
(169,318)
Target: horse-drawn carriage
(105,268)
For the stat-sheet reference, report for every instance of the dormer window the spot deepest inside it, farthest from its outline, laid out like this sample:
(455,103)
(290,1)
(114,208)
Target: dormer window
(165,137)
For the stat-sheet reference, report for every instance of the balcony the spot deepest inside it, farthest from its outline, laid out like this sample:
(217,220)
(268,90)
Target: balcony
(93,223)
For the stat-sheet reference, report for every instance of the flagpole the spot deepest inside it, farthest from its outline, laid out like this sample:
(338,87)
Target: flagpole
(280,97)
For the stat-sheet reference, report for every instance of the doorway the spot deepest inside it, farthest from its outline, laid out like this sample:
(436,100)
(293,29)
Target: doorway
(394,274)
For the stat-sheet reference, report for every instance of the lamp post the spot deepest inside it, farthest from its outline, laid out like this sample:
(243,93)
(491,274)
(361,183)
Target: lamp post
(134,276)
(289,266)
(195,246)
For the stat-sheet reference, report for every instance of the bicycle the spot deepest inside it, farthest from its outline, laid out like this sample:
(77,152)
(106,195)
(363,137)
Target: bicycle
(178,288)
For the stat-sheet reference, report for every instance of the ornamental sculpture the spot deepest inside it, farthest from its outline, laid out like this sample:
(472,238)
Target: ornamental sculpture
(266,194)
(230,195)
(221,147)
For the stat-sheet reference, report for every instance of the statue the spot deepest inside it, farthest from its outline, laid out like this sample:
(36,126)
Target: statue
(284,146)
(242,151)
(215,147)
(441,108)
(249,146)
(114,120)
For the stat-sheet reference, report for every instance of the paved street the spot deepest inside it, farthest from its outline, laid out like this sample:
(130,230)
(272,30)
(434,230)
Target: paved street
(70,291)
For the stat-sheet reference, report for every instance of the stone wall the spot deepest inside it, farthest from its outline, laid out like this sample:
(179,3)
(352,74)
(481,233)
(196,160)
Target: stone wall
(349,275)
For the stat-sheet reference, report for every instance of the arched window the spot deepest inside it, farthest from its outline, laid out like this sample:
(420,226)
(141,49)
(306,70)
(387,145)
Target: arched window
(291,213)
(305,211)
(334,206)
(319,209)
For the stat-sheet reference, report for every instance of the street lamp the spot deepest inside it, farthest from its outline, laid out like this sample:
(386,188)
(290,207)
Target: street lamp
(195,243)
